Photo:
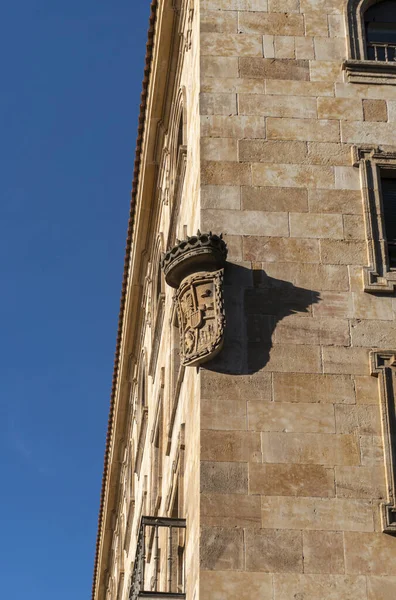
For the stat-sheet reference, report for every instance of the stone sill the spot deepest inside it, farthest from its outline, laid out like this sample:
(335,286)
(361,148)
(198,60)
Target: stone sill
(370,71)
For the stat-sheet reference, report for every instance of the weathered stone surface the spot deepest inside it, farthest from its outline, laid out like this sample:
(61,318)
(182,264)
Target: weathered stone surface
(325,587)
(219,66)
(363,419)
(271,23)
(368,306)
(235,126)
(323,552)
(311,130)
(297,387)
(316,226)
(291,480)
(375,110)
(230,510)
(224,477)
(371,450)
(221,548)
(381,588)
(336,201)
(329,153)
(294,418)
(219,149)
(277,106)
(299,88)
(339,108)
(225,173)
(227,414)
(370,554)
(354,132)
(345,360)
(215,21)
(335,304)
(218,104)
(231,446)
(327,514)
(224,386)
(221,196)
(222,585)
(360,482)
(275,199)
(354,227)
(272,152)
(300,176)
(269,68)
(248,222)
(310,448)
(273,551)
(229,44)
(373,334)
(367,390)
(343,252)
(326,331)
(280,249)
(291,357)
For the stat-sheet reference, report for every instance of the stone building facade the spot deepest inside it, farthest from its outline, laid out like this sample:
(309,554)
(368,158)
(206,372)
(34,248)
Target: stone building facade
(259,464)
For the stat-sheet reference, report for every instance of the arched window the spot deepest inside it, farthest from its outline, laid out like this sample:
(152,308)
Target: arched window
(380,31)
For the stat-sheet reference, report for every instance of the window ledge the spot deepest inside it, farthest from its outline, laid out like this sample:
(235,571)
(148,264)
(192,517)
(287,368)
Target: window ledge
(370,71)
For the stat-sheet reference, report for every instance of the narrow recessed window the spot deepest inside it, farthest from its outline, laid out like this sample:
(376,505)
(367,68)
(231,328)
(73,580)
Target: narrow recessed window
(388,193)
(380,25)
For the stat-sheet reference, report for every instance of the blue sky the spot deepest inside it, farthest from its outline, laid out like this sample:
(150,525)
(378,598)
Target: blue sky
(69,97)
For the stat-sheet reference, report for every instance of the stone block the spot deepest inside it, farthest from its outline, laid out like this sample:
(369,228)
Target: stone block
(291,480)
(347,178)
(326,514)
(336,201)
(299,88)
(272,199)
(361,482)
(277,106)
(218,104)
(323,552)
(280,249)
(316,23)
(367,390)
(362,419)
(310,448)
(368,306)
(329,7)
(304,48)
(234,245)
(268,46)
(219,149)
(247,222)
(324,153)
(322,70)
(225,173)
(375,110)
(284,46)
(336,26)
(284,6)
(225,5)
(335,304)
(273,551)
(230,446)
(221,548)
(376,334)
(311,130)
(231,85)
(370,553)
(327,48)
(271,23)
(321,277)
(232,127)
(216,21)
(225,414)
(318,331)
(290,417)
(339,108)
(230,44)
(230,510)
(350,361)
(290,357)
(297,387)
(216,386)
(311,225)
(371,450)
(346,252)
(354,228)
(269,68)
(381,588)
(220,196)
(325,587)
(356,132)
(300,176)
(224,477)
(219,66)
(237,585)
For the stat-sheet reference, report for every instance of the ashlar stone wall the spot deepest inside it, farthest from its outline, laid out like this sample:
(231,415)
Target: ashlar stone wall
(292,460)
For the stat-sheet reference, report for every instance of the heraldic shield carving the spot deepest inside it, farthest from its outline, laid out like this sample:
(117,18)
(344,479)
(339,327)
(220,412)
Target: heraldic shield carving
(195,268)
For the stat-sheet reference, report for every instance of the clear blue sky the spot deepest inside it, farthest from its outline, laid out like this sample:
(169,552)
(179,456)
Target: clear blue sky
(71,77)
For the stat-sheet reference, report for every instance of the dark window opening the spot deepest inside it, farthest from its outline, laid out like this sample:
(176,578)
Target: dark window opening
(388,193)
(380,26)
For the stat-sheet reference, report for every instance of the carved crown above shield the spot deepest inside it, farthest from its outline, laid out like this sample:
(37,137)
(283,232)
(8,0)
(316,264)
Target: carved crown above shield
(195,267)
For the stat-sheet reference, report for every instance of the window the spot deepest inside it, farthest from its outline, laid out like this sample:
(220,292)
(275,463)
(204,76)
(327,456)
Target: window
(380,29)
(372,42)
(378,175)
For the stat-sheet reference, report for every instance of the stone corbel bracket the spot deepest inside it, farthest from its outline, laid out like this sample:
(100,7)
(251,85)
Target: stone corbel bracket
(195,268)
(383,366)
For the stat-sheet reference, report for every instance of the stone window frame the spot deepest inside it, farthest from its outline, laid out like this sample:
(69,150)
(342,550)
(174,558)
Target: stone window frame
(357,68)
(371,160)
(383,366)
(176,370)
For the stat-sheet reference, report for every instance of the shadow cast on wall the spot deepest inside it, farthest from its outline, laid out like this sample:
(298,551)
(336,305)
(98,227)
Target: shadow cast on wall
(254,305)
